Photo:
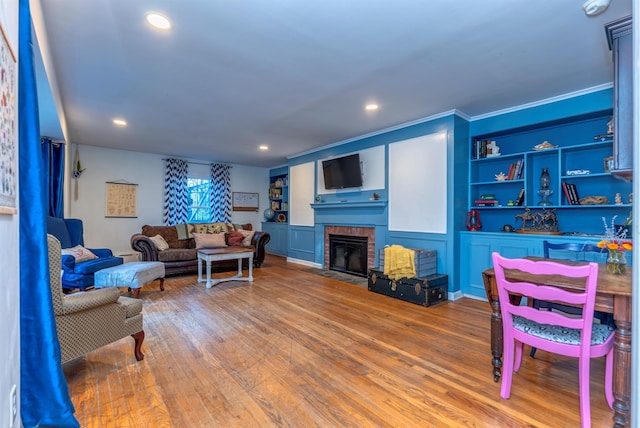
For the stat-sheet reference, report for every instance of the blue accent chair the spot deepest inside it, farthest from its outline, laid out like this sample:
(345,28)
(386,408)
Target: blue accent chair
(69,231)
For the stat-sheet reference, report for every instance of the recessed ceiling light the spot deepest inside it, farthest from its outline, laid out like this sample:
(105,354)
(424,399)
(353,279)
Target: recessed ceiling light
(263,147)
(371,107)
(158,21)
(119,122)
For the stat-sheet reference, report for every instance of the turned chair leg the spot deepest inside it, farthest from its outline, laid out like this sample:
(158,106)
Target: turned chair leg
(138,339)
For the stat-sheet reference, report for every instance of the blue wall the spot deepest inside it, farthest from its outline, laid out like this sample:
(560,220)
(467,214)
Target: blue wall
(306,243)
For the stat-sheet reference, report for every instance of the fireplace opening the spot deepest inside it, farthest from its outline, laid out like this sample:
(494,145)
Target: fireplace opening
(348,254)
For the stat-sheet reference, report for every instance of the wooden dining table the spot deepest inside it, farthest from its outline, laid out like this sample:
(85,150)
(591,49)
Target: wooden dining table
(614,296)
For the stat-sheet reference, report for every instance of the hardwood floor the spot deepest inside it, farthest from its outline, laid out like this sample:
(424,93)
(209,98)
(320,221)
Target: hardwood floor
(293,349)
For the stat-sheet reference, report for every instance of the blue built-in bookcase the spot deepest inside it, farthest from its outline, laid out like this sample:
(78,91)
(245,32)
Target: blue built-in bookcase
(574,157)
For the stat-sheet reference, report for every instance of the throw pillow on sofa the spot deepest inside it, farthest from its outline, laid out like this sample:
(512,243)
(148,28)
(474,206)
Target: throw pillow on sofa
(209,240)
(79,253)
(235,238)
(248,236)
(159,242)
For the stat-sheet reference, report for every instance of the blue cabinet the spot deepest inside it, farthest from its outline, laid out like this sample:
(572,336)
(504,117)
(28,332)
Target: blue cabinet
(476,249)
(279,243)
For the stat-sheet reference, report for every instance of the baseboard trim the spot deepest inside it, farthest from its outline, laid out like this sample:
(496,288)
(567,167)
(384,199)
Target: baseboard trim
(304,262)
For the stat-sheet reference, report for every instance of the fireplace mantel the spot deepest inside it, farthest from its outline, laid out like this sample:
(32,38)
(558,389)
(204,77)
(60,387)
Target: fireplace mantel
(349,204)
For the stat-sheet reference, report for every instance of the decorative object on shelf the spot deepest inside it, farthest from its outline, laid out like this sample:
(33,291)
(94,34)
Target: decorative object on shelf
(594,200)
(616,242)
(473,221)
(282,218)
(375,196)
(545,191)
(510,203)
(578,172)
(540,222)
(492,149)
(610,126)
(618,199)
(507,228)
(624,229)
(318,198)
(269,214)
(545,145)
(608,164)
(630,198)
(501,176)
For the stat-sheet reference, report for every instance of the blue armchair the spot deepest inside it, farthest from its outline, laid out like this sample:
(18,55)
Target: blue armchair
(69,232)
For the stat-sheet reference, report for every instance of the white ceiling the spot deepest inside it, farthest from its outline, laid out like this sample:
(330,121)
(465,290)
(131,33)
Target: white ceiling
(295,74)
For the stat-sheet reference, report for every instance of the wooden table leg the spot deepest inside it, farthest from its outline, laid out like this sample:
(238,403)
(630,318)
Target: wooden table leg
(162,282)
(496,325)
(622,361)
(136,293)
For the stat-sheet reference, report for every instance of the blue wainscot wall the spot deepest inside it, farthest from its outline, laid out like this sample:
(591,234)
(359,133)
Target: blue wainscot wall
(306,243)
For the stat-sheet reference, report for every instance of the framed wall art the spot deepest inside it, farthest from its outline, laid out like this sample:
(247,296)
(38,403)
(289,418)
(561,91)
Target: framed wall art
(8,128)
(243,201)
(122,200)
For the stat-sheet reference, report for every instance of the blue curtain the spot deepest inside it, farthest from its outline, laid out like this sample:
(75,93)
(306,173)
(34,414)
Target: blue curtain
(53,156)
(176,192)
(44,399)
(220,202)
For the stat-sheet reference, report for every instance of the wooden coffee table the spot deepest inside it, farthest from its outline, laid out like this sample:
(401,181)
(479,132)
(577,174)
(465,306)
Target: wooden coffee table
(230,253)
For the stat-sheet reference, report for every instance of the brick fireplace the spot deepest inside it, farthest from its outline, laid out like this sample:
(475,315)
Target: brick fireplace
(366,232)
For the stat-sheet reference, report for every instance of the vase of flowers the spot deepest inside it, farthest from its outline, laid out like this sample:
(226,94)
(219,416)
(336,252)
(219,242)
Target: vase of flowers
(616,242)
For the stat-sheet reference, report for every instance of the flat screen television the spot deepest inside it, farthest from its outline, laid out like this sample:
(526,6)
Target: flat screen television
(342,172)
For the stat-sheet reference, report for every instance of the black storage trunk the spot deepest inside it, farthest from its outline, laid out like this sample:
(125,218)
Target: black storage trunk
(424,291)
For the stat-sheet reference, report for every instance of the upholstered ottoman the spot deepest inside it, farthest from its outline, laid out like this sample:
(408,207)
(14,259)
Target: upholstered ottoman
(132,275)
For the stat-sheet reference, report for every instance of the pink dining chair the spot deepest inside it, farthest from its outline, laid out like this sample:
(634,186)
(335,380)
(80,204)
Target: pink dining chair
(553,331)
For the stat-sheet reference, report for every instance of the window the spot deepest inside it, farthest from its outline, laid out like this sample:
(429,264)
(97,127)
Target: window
(199,200)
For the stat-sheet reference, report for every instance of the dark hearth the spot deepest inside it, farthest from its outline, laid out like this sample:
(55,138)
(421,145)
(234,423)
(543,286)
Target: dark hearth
(348,254)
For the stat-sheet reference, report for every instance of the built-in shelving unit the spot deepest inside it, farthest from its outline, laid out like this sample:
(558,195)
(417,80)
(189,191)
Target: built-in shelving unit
(574,156)
(278,224)
(279,198)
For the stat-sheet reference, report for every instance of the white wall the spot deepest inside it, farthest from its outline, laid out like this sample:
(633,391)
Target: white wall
(9,266)
(373,171)
(147,171)
(419,181)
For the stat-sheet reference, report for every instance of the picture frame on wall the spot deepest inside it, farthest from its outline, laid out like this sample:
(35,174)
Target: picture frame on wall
(122,200)
(245,201)
(8,128)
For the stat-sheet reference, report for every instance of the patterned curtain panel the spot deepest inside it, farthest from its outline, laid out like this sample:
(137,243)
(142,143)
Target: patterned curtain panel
(176,194)
(220,192)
